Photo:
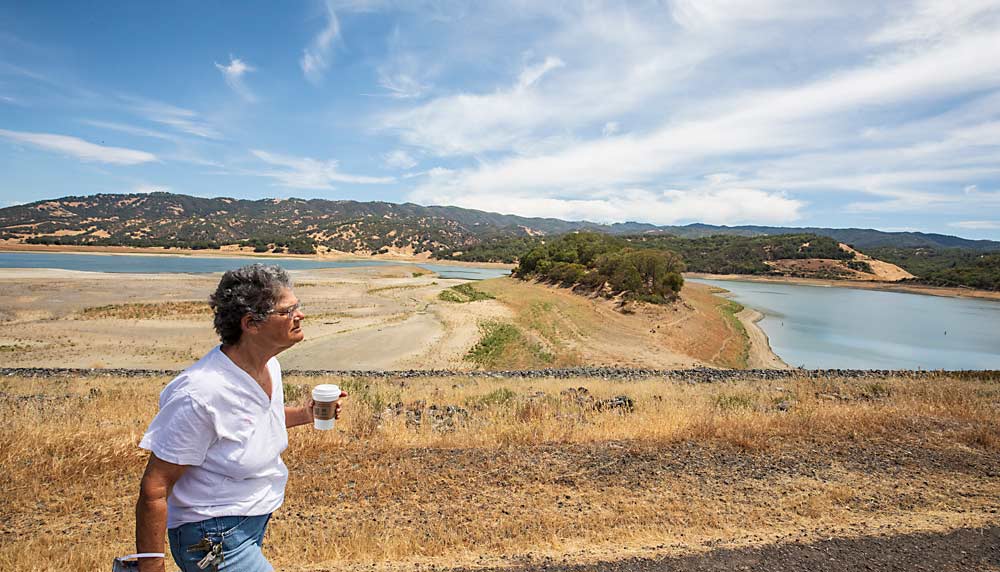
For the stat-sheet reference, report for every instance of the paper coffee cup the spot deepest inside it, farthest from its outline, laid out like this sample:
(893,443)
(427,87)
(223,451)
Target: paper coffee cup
(325,398)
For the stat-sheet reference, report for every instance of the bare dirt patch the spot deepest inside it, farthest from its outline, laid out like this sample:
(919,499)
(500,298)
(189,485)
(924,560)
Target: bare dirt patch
(884,271)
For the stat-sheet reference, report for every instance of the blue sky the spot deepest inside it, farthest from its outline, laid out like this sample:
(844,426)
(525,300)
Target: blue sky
(847,114)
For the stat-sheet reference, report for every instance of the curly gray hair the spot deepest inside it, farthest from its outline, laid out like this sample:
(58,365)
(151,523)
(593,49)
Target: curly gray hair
(252,289)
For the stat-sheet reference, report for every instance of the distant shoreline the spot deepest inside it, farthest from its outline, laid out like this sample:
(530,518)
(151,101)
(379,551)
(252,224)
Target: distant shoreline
(947,292)
(229,253)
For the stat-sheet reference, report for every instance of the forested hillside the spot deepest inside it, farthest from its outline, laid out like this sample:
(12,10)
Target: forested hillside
(946,267)
(722,254)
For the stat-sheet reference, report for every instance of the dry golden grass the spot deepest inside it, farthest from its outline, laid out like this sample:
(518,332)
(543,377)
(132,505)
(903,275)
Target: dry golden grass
(520,469)
(148,311)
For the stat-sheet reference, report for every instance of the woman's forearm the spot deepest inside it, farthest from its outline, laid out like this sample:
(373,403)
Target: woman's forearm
(295,416)
(150,528)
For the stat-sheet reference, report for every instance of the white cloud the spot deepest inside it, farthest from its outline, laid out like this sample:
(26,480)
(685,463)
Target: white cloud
(79,148)
(531,74)
(399,159)
(716,201)
(130,129)
(610,128)
(466,123)
(178,118)
(901,200)
(316,57)
(307,173)
(402,74)
(976,224)
(401,85)
(790,123)
(932,20)
(233,74)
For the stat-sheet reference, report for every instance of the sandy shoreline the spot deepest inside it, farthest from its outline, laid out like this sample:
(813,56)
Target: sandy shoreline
(761,356)
(862,285)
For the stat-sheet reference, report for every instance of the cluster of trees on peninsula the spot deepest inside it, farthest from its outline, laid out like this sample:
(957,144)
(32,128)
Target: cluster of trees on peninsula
(606,265)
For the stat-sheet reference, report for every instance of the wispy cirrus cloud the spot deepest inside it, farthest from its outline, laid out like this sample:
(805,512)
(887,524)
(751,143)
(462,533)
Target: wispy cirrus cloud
(400,85)
(402,74)
(316,57)
(472,123)
(80,149)
(178,118)
(233,73)
(399,159)
(308,173)
(130,129)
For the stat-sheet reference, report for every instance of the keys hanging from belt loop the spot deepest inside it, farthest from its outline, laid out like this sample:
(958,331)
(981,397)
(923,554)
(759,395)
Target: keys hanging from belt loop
(203,545)
(213,558)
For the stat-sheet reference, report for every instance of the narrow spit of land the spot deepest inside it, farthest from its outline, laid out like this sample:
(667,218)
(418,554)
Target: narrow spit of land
(611,470)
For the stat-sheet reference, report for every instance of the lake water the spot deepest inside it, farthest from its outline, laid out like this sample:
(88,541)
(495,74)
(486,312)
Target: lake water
(165,263)
(830,327)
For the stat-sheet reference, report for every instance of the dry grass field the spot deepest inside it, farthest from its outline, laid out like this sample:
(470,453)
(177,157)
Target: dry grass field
(480,472)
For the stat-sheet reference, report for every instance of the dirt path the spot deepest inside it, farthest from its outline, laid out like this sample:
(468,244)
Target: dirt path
(961,550)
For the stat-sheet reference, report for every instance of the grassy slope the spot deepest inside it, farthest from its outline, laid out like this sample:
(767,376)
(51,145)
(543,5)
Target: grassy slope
(575,329)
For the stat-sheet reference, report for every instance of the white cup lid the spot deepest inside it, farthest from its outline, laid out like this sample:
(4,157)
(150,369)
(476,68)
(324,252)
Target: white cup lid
(326,393)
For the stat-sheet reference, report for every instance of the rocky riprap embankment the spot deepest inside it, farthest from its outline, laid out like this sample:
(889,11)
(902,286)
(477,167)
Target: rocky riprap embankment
(697,375)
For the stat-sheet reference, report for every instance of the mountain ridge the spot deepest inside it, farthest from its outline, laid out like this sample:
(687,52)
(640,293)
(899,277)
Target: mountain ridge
(302,225)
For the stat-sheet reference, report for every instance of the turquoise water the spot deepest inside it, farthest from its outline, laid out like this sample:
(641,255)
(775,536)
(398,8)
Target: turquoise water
(830,327)
(165,263)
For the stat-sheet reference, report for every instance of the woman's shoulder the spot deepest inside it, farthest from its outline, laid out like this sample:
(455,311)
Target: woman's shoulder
(202,382)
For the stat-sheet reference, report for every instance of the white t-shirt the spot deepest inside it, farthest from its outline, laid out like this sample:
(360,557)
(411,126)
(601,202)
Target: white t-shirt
(217,419)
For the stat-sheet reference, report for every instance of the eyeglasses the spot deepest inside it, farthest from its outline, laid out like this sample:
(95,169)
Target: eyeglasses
(287,311)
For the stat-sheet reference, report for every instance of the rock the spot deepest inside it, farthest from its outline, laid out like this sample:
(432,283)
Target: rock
(622,403)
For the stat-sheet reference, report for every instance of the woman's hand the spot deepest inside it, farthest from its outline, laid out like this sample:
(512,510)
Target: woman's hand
(309,409)
(336,410)
(303,415)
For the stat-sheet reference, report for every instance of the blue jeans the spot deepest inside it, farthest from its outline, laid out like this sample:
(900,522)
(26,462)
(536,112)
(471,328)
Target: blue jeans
(242,538)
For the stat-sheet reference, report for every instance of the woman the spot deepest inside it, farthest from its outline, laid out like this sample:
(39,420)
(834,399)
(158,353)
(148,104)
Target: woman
(215,472)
